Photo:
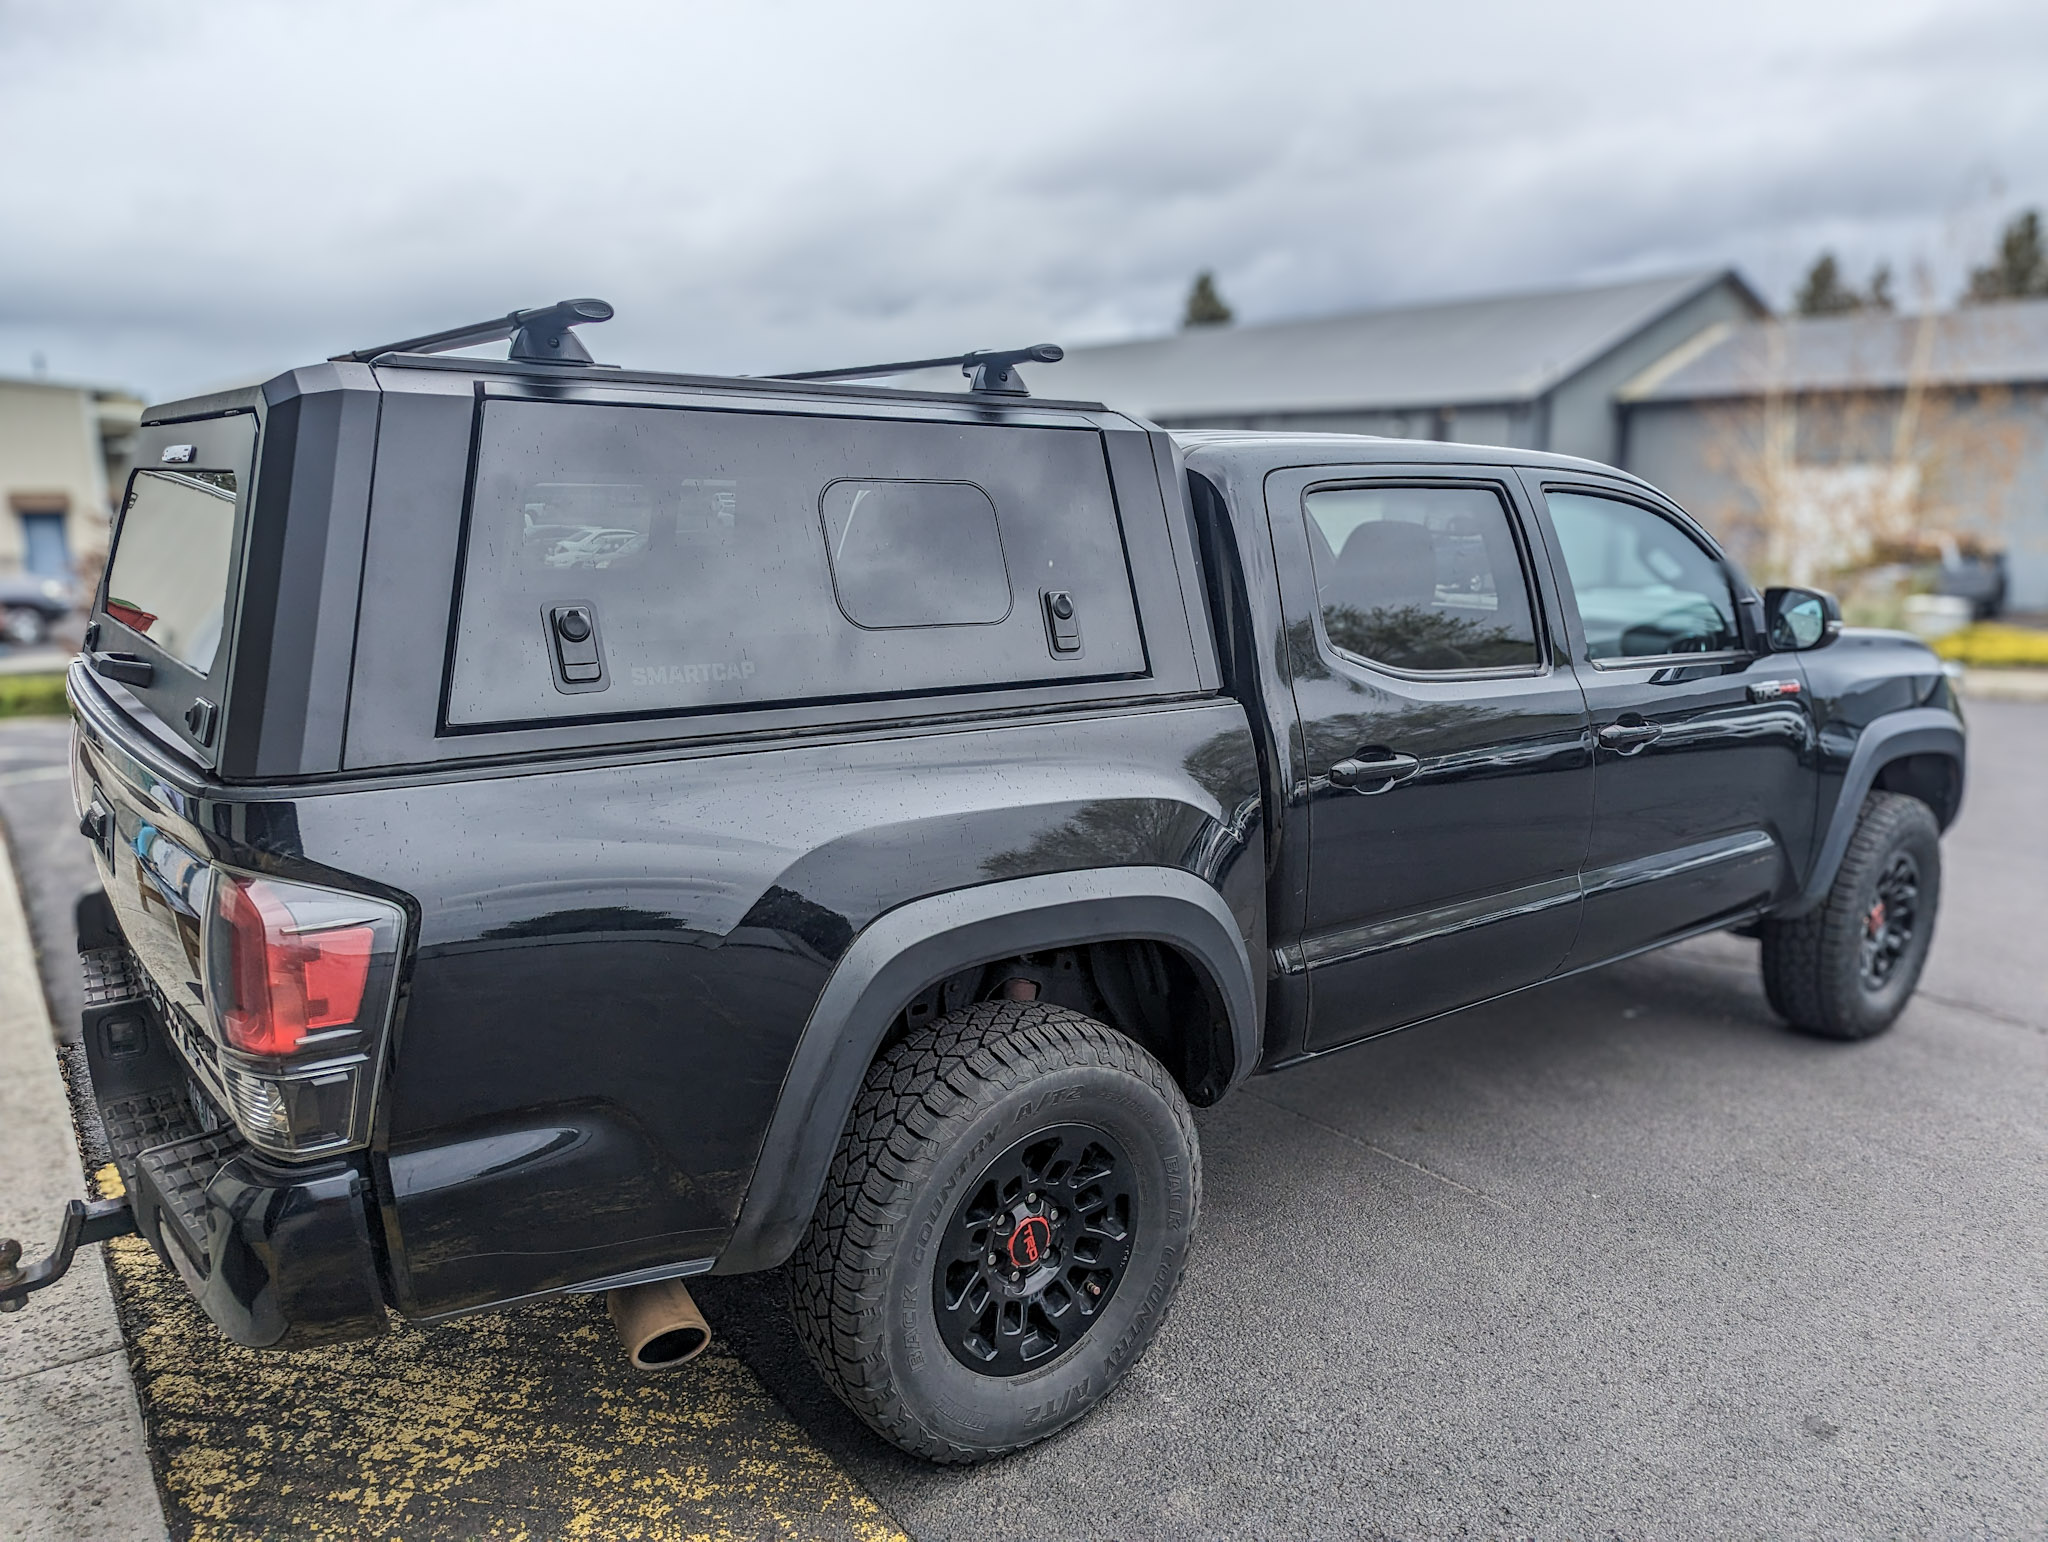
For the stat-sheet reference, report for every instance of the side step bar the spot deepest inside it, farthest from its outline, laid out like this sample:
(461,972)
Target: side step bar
(84,1222)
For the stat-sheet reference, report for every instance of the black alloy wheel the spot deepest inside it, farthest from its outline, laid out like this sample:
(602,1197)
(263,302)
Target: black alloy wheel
(1888,924)
(1035,1250)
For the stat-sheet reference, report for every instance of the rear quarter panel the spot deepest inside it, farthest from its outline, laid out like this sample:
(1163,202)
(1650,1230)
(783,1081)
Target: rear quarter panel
(614,962)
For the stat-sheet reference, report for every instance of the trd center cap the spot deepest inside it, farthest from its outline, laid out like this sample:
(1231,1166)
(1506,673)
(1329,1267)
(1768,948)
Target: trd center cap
(1030,1242)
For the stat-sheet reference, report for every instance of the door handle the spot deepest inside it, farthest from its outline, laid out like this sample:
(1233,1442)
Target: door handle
(1627,738)
(1374,773)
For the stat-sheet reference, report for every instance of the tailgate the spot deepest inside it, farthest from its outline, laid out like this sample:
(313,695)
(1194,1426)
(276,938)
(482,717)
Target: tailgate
(155,874)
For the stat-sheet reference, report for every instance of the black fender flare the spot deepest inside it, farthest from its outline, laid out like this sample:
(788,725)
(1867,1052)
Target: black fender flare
(1915,731)
(915,945)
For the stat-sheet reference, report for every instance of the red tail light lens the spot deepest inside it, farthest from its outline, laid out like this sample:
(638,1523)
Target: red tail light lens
(291,960)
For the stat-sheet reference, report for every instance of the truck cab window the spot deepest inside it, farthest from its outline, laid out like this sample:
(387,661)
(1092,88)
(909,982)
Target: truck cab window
(1421,578)
(1645,588)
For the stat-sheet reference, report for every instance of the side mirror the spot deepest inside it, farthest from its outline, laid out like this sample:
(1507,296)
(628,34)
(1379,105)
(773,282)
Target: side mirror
(1798,619)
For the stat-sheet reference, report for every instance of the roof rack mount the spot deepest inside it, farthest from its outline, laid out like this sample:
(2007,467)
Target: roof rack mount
(994,369)
(544,336)
(539,336)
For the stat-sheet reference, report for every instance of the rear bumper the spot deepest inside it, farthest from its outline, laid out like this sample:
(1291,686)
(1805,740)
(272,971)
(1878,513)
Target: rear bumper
(279,1255)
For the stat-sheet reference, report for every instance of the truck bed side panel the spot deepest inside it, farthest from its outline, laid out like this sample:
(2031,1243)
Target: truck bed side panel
(615,962)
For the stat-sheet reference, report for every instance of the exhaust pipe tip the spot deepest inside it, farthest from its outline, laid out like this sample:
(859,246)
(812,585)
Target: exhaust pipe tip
(658,1324)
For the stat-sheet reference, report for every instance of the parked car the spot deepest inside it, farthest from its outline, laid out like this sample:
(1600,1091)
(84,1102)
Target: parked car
(1960,567)
(30,604)
(866,867)
(1976,575)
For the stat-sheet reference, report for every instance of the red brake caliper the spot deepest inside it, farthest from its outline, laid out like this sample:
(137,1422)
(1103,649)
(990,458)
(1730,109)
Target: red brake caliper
(1876,921)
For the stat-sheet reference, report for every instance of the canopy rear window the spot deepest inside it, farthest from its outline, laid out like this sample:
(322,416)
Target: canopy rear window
(168,578)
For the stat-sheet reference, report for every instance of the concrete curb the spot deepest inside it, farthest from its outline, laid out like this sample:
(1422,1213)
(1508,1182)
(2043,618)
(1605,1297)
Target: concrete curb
(73,1459)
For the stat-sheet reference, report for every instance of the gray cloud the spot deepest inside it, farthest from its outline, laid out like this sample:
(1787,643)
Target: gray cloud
(193,194)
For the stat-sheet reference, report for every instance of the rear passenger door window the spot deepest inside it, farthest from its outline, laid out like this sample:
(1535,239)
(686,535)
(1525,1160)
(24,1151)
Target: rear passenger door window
(1421,579)
(711,560)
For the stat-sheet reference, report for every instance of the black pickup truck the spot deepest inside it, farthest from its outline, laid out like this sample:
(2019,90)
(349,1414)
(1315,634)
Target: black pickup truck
(568,829)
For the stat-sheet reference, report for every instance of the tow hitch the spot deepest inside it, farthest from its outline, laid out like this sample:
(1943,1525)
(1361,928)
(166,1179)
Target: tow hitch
(84,1221)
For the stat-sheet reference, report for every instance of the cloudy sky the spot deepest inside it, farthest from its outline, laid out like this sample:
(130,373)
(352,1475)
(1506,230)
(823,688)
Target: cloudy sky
(196,193)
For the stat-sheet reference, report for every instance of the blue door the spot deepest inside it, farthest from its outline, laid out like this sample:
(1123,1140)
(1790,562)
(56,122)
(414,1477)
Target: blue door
(43,548)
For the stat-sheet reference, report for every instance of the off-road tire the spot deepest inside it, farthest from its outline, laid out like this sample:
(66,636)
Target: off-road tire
(1813,967)
(933,1115)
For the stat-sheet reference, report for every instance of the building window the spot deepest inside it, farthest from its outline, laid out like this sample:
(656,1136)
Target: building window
(45,545)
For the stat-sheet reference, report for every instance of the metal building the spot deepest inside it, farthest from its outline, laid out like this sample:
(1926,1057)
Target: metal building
(1535,371)
(1944,415)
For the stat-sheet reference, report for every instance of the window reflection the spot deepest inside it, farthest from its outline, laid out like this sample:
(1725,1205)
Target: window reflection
(915,553)
(1644,587)
(1421,578)
(169,574)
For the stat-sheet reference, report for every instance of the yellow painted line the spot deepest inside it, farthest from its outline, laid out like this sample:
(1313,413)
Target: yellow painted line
(522,1426)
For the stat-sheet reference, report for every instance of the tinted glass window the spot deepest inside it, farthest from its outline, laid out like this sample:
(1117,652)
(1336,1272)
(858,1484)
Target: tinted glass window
(729,559)
(1645,588)
(168,578)
(915,553)
(1423,578)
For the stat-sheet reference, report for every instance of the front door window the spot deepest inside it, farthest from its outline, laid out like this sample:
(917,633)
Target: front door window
(1645,588)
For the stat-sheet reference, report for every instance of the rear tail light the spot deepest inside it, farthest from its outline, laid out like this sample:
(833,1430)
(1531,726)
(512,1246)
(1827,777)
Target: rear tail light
(290,974)
(300,981)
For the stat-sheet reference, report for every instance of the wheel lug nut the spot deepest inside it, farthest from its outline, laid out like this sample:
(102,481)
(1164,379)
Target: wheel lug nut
(1016,1274)
(1030,1199)
(991,1260)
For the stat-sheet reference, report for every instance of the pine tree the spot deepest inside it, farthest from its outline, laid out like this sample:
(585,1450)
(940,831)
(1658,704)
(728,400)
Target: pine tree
(2019,271)
(1824,293)
(1205,305)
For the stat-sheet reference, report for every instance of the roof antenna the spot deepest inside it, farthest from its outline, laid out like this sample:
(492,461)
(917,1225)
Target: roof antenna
(540,336)
(994,369)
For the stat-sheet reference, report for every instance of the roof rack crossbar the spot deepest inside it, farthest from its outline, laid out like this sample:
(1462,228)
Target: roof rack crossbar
(994,369)
(541,335)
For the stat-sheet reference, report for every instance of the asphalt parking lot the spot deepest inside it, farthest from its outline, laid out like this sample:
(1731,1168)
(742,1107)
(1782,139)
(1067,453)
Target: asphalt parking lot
(1617,1257)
